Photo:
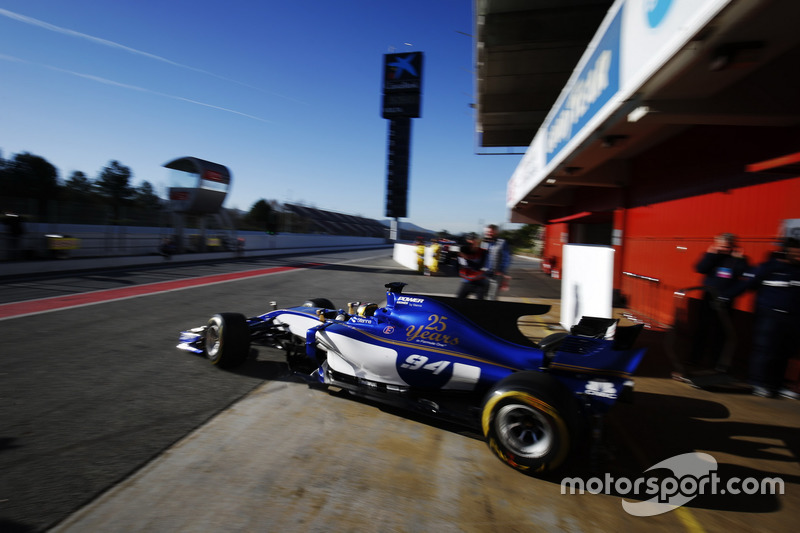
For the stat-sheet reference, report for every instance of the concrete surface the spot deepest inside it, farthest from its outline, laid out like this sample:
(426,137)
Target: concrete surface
(352,466)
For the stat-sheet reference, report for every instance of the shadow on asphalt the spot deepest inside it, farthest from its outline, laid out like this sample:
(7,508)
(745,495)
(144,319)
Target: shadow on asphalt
(664,425)
(653,428)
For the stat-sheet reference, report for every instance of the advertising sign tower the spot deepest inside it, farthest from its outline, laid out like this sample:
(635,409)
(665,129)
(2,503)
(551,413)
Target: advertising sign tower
(402,95)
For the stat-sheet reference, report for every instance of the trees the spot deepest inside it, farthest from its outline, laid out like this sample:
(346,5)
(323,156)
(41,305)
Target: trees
(145,196)
(30,176)
(524,237)
(260,217)
(78,183)
(113,183)
(29,184)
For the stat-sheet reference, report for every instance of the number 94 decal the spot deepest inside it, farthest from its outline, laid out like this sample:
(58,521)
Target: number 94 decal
(420,362)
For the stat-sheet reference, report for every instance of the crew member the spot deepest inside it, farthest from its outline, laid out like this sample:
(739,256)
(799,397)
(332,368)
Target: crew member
(777,319)
(471,258)
(498,259)
(722,266)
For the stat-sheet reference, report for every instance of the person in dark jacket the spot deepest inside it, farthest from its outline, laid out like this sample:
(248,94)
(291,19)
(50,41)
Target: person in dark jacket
(722,266)
(471,260)
(777,319)
(498,259)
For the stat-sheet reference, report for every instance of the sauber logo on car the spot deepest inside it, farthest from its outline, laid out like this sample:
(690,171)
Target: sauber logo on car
(603,389)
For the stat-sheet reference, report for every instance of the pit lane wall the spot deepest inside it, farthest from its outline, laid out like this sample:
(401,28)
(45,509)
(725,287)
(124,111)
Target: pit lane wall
(47,248)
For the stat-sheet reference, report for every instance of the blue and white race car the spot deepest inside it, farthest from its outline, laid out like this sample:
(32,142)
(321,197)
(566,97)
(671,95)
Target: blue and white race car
(459,359)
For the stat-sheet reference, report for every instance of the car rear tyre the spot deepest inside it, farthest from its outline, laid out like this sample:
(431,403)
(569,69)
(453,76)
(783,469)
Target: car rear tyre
(530,421)
(227,340)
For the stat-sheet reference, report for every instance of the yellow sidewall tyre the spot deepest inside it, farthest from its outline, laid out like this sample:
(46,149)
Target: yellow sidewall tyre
(531,422)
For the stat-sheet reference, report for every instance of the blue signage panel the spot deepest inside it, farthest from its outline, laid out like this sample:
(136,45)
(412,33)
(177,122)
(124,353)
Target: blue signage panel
(596,84)
(402,85)
(402,72)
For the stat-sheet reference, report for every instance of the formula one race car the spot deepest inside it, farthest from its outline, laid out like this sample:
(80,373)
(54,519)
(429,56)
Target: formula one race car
(459,359)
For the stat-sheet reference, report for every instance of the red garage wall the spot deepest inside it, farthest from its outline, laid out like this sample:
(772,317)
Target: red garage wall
(680,194)
(555,236)
(663,241)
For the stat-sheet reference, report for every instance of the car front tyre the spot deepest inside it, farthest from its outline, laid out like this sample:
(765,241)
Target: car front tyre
(227,340)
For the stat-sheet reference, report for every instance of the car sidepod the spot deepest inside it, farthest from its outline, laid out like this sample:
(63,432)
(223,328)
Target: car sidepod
(420,344)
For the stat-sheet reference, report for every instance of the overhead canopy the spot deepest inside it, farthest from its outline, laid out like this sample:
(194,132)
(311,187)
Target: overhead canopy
(526,51)
(716,62)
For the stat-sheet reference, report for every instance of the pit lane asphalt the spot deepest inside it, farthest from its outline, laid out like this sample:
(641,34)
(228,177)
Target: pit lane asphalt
(92,393)
(140,444)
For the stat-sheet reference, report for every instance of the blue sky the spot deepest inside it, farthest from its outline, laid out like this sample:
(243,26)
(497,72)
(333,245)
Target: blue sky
(286,94)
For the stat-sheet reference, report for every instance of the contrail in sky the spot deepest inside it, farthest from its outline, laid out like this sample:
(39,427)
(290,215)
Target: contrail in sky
(133,87)
(142,89)
(112,44)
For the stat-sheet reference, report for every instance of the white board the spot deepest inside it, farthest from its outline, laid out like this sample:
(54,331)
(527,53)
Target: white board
(587,283)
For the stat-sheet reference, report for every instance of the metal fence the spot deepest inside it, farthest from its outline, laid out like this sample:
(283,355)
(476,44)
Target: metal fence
(74,241)
(651,298)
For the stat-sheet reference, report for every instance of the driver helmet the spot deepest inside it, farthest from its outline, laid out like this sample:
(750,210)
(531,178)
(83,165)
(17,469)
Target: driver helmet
(367,309)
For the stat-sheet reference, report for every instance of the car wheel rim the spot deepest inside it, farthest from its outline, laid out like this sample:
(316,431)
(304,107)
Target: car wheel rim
(212,340)
(525,431)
